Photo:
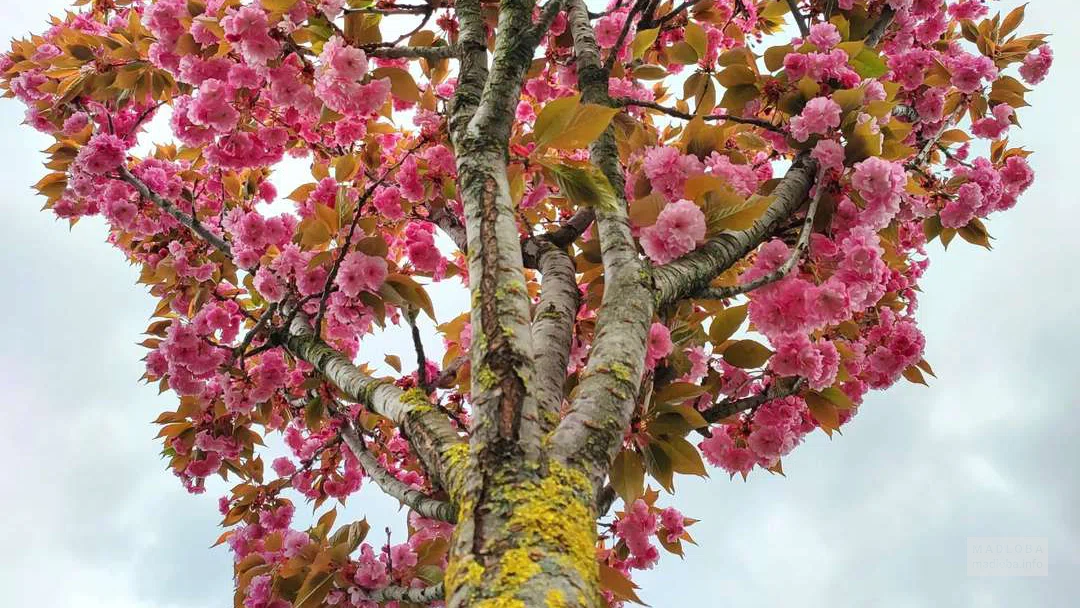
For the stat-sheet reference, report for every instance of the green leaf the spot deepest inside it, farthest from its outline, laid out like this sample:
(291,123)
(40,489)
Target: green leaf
(583,184)
(642,41)
(628,476)
(587,123)
(747,354)
(554,117)
(868,64)
(726,323)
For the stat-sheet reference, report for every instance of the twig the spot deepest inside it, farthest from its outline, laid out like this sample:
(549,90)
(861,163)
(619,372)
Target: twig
(785,269)
(259,325)
(672,14)
(877,32)
(418,345)
(800,19)
(730,407)
(190,221)
(757,122)
(352,231)
(431,53)
(614,53)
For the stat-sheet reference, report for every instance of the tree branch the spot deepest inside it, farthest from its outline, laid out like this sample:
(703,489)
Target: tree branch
(392,486)
(591,433)
(730,407)
(429,433)
(800,19)
(757,122)
(553,327)
(877,32)
(190,221)
(431,53)
(411,595)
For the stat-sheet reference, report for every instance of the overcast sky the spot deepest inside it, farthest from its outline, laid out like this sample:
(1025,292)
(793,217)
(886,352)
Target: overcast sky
(878,516)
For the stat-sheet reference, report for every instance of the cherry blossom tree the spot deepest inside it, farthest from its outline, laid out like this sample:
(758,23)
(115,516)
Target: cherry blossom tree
(689,232)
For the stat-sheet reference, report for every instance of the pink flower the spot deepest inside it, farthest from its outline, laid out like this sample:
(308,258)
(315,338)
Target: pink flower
(959,212)
(667,170)
(996,125)
(659,344)
(388,203)
(824,35)
(360,272)
(880,184)
(820,115)
(1037,65)
(830,155)
(678,230)
(102,154)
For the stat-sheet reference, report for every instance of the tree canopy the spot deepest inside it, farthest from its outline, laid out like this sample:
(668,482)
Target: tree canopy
(685,234)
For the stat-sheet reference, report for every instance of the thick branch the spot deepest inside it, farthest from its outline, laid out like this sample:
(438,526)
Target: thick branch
(877,32)
(591,433)
(411,595)
(407,495)
(694,271)
(553,327)
(800,19)
(785,269)
(474,72)
(429,433)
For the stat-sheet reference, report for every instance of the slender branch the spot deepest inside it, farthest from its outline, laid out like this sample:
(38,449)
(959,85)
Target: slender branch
(259,326)
(670,15)
(785,269)
(730,407)
(410,595)
(418,346)
(397,9)
(877,32)
(757,122)
(800,19)
(189,221)
(330,276)
(392,486)
(431,53)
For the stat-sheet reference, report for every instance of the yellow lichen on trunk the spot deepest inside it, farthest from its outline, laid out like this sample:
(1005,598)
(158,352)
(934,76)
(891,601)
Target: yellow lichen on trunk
(537,546)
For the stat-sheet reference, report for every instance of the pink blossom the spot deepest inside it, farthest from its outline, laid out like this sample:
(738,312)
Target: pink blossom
(678,230)
(824,35)
(659,344)
(102,154)
(820,116)
(996,125)
(830,155)
(1037,65)
(880,183)
(959,212)
(360,272)
(667,170)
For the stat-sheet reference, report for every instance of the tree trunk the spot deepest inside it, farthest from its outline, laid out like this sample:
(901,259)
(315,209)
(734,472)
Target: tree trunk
(527,539)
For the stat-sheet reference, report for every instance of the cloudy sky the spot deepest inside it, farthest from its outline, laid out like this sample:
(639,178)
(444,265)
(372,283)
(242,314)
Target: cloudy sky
(879,516)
